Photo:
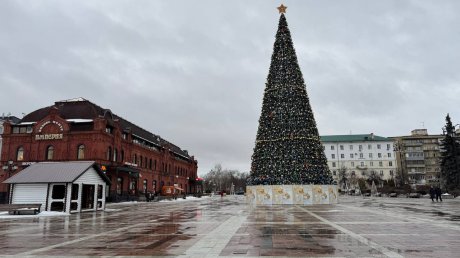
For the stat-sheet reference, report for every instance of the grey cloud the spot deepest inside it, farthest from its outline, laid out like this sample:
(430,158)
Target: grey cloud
(194,72)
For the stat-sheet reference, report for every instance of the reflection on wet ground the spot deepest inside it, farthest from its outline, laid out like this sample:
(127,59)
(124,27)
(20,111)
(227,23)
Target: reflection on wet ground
(210,227)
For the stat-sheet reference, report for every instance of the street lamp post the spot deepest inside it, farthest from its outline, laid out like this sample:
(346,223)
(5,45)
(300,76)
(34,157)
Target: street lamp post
(9,167)
(187,185)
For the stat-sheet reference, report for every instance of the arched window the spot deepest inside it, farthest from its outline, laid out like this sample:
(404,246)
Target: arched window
(49,152)
(135,159)
(109,153)
(81,151)
(122,155)
(115,153)
(20,154)
(140,161)
(145,162)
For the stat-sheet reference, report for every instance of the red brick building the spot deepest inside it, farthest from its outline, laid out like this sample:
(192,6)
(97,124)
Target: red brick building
(134,159)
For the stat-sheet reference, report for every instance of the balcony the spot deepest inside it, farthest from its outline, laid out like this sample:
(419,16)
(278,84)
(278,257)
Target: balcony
(416,172)
(361,167)
(412,143)
(415,165)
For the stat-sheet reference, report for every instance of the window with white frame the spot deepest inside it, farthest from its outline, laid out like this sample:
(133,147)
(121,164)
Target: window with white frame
(20,154)
(81,151)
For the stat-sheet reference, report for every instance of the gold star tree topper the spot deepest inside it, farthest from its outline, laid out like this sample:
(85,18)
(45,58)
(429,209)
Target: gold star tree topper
(282,8)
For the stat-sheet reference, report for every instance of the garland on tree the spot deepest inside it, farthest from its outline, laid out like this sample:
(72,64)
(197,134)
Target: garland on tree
(288,149)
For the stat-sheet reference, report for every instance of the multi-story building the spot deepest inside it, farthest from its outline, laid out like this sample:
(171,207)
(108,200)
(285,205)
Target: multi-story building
(135,160)
(360,154)
(418,157)
(11,119)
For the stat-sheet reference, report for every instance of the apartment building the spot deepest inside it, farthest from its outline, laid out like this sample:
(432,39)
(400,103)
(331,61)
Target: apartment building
(418,157)
(360,154)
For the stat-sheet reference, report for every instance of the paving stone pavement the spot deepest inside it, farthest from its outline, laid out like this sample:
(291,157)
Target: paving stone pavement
(227,227)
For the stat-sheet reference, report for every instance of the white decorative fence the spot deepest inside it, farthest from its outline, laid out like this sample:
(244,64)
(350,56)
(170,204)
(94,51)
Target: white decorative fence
(291,194)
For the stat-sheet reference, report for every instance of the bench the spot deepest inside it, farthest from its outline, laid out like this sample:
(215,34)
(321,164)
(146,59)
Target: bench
(21,209)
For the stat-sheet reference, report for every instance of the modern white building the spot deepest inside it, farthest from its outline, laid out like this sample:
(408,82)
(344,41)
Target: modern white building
(73,186)
(360,154)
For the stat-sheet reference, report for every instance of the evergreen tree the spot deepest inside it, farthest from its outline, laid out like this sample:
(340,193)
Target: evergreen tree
(450,154)
(288,148)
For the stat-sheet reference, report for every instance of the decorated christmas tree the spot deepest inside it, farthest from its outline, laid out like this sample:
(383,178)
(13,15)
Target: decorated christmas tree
(288,148)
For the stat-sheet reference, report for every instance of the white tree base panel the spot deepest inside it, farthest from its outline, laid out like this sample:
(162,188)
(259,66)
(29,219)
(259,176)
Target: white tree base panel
(291,194)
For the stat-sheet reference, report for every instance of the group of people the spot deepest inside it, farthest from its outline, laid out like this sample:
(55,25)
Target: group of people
(149,196)
(435,192)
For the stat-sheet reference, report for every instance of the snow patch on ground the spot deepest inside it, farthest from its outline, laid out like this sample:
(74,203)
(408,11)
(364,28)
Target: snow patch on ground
(5,215)
(111,210)
(180,199)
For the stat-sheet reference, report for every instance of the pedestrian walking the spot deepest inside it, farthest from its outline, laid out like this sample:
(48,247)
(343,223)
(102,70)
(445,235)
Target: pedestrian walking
(147,196)
(438,194)
(432,193)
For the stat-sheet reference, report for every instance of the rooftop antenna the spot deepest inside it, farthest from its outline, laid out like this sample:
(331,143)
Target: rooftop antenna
(423,125)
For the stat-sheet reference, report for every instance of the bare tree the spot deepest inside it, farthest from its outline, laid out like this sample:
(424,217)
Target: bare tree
(376,178)
(219,179)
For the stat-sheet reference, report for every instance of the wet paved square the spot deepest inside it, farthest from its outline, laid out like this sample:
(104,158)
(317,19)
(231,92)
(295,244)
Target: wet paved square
(215,226)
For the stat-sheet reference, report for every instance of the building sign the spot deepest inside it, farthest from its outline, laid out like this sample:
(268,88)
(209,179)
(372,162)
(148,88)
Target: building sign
(130,164)
(51,122)
(52,136)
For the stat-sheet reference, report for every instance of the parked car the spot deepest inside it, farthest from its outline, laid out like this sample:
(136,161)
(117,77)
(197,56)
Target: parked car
(414,195)
(393,195)
(240,192)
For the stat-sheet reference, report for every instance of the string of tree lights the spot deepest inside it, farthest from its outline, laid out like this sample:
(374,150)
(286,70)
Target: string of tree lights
(288,148)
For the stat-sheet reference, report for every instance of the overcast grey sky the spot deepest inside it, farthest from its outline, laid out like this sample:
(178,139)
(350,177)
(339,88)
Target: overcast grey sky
(194,72)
